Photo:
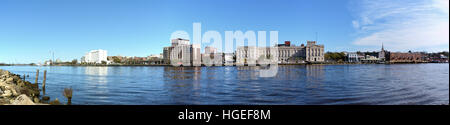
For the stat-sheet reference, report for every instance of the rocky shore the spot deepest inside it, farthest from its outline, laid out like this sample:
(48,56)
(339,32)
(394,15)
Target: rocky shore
(15,91)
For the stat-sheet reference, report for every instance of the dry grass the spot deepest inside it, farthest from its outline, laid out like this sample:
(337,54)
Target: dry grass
(68,92)
(55,102)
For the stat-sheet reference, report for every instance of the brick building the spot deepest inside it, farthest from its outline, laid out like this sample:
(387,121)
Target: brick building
(397,57)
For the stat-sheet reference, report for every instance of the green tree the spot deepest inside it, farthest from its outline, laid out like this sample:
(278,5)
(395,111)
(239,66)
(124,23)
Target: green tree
(116,59)
(75,61)
(335,56)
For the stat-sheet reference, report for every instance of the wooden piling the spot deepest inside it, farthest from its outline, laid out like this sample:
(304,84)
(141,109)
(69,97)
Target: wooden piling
(45,78)
(37,76)
(43,82)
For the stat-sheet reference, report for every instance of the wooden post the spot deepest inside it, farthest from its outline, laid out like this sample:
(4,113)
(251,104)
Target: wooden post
(37,76)
(43,82)
(45,78)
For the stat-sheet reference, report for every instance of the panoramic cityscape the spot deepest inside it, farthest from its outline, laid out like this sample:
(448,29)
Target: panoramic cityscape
(286,53)
(351,52)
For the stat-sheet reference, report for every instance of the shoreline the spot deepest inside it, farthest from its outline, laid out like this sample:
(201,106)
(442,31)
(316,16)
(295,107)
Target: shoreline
(168,65)
(16,91)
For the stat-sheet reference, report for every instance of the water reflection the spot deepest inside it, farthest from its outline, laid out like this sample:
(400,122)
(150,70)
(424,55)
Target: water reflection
(183,84)
(290,72)
(97,71)
(247,72)
(96,86)
(182,73)
(96,74)
(293,84)
(315,75)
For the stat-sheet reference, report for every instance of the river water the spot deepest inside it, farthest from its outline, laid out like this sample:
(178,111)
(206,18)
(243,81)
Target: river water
(373,84)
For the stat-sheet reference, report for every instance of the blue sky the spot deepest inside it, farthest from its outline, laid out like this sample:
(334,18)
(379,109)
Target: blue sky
(31,29)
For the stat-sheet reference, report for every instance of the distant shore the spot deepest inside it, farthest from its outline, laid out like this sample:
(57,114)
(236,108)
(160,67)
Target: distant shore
(119,65)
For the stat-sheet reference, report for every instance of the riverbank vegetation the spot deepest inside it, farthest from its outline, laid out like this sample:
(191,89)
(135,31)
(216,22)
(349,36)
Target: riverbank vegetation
(334,57)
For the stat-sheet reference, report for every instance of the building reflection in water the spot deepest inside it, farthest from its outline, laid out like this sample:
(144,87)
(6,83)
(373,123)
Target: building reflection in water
(182,73)
(183,84)
(96,75)
(290,72)
(247,72)
(97,71)
(315,75)
(96,82)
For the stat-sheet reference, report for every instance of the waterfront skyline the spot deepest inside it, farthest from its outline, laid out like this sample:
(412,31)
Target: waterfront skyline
(31,30)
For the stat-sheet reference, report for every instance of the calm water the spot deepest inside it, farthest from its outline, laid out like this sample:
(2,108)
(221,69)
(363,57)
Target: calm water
(298,85)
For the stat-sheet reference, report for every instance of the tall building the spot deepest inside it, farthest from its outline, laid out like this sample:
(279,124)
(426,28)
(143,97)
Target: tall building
(179,41)
(166,54)
(210,50)
(212,57)
(314,53)
(181,52)
(96,57)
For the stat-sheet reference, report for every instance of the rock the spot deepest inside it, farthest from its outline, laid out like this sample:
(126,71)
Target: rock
(7,93)
(36,99)
(9,80)
(11,90)
(20,83)
(4,73)
(23,100)
(15,90)
(4,101)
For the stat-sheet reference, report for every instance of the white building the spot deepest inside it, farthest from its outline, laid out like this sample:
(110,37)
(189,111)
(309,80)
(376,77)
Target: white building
(210,50)
(314,52)
(353,57)
(179,41)
(182,53)
(250,55)
(96,57)
(228,59)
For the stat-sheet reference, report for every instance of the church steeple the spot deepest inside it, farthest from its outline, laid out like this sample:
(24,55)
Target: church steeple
(382,53)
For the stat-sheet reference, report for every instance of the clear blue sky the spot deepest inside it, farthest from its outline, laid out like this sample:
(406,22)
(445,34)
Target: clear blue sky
(31,29)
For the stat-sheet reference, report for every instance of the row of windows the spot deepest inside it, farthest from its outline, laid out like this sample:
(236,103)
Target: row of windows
(404,58)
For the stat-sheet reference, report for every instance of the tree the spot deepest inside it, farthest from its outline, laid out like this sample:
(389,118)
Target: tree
(116,59)
(75,61)
(335,56)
